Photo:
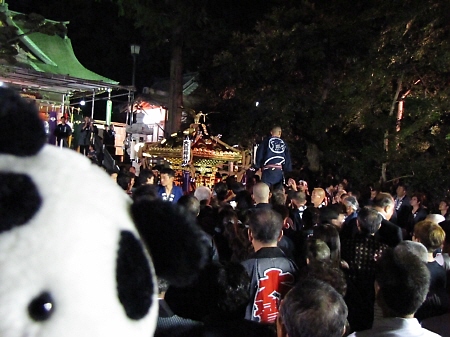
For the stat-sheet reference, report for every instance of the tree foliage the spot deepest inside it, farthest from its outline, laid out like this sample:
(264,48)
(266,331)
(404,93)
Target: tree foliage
(32,23)
(328,72)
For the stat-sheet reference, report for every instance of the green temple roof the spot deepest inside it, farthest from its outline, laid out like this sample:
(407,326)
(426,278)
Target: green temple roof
(54,54)
(48,62)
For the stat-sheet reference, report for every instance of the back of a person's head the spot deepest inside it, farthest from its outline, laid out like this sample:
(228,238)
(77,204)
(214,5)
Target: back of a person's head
(298,196)
(329,213)
(221,190)
(330,235)
(144,174)
(163,285)
(413,247)
(202,193)
(145,191)
(237,187)
(278,197)
(317,250)
(124,180)
(311,217)
(369,220)
(382,200)
(265,225)
(283,210)
(234,289)
(219,291)
(430,234)
(437,218)
(323,271)
(230,180)
(228,222)
(261,192)
(403,281)
(243,200)
(313,309)
(352,202)
(190,204)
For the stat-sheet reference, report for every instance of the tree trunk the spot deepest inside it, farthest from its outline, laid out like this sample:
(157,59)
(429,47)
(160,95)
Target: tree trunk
(313,155)
(386,133)
(176,83)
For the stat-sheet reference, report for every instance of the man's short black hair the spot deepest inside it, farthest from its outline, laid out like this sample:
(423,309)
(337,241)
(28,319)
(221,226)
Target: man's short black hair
(283,210)
(403,184)
(190,204)
(313,309)
(311,218)
(221,190)
(168,171)
(144,174)
(369,220)
(124,180)
(331,212)
(403,280)
(219,291)
(298,196)
(265,225)
(146,191)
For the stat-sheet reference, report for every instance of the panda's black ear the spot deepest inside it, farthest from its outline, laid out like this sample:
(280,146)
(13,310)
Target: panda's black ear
(174,239)
(22,132)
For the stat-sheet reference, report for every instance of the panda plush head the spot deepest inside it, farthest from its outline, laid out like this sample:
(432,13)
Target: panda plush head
(71,260)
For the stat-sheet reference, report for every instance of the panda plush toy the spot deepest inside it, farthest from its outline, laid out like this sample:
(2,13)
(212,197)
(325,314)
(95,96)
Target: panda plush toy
(72,262)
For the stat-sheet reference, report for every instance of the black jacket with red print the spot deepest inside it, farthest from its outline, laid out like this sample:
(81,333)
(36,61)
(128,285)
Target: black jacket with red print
(273,275)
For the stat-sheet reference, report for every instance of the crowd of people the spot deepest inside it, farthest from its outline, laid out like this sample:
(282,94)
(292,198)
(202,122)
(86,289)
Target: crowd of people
(301,261)
(86,139)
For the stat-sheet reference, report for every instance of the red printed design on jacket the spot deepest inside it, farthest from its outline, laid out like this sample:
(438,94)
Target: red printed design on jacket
(271,288)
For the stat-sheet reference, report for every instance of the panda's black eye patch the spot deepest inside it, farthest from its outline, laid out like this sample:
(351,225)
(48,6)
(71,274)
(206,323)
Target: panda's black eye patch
(19,200)
(41,307)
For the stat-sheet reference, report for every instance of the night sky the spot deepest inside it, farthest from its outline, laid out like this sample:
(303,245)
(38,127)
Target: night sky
(101,39)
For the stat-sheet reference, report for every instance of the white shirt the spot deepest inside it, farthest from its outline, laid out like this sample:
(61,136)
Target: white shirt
(396,327)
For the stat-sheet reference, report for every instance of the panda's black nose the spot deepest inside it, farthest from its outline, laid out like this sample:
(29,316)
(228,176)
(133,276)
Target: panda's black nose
(41,307)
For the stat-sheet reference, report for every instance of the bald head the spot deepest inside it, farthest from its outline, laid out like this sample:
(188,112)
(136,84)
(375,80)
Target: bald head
(437,218)
(261,193)
(317,196)
(276,131)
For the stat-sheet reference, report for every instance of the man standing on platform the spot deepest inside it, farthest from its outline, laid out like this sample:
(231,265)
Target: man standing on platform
(109,139)
(62,133)
(273,158)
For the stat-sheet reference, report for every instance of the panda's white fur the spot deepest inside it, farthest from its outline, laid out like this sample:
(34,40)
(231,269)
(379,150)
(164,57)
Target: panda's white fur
(69,248)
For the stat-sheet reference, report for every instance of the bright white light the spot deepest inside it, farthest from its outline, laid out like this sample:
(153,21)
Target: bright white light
(257,103)
(1,84)
(83,102)
(152,116)
(138,146)
(135,49)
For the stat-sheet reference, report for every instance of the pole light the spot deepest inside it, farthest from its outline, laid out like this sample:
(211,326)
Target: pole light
(135,49)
